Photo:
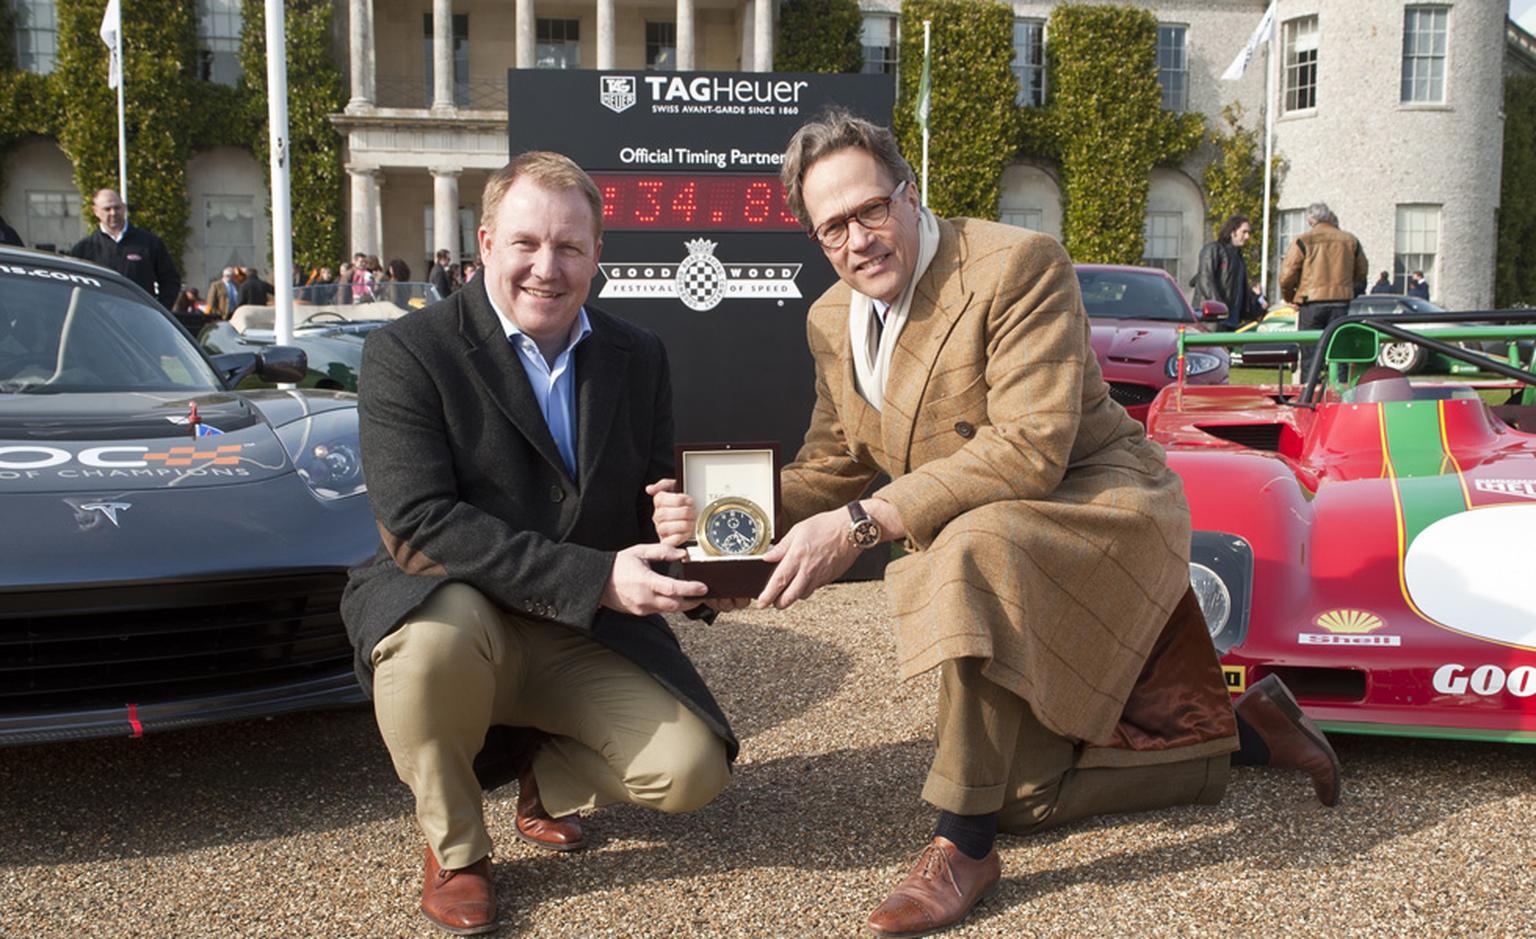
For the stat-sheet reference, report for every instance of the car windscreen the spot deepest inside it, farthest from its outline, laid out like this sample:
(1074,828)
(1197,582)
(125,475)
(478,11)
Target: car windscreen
(65,332)
(1131,295)
(408,295)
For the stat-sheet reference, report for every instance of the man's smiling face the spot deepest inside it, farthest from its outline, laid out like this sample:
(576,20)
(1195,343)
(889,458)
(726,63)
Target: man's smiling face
(876,262)
(540,257)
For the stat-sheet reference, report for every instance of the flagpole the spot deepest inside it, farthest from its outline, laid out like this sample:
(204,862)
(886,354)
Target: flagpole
(1269,142)
(282,210)
(927,34)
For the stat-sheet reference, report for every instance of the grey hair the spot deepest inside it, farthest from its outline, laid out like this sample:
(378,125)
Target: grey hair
(837,129)
(1318,212)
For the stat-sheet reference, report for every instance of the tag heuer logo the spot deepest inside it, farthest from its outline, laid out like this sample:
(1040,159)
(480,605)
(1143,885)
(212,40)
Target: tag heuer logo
(618,92)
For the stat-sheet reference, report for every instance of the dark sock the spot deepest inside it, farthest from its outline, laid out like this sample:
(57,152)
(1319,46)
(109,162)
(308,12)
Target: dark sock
(972,834)
(1251,748)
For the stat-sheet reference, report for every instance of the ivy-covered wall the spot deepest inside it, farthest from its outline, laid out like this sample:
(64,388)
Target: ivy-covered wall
(1514,275)
(170,114)
(1104,125)
(972,117)
(819,36)
(1234,181)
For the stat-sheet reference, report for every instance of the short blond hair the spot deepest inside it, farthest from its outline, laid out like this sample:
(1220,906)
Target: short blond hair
(553,171)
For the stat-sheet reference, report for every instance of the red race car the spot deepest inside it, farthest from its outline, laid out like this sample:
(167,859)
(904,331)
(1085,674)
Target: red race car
(1372,539)
(1136,314)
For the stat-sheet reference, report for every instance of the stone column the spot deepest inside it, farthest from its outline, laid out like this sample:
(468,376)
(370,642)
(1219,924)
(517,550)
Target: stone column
(605,38)
(525,34)
(360,54)
(762,36)
(445,209)
(365,208)
(748,27)
(685,44)
(442,56)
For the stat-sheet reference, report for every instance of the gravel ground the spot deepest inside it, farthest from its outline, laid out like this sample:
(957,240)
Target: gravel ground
(297,827)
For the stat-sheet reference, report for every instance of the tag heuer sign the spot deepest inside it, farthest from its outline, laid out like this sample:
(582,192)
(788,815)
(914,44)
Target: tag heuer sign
(618,92)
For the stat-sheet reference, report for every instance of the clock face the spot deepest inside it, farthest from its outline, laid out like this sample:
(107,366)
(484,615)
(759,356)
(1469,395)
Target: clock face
(733,527)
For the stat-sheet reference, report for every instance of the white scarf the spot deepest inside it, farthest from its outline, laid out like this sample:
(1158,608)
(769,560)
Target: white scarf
(872,350)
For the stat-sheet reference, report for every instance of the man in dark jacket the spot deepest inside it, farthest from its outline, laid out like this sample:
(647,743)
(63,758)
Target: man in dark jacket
(515,441)
(133,252)
(8,235)
(1383,284)
(442,277)
(1223,273)
(1418,286)
(253,290)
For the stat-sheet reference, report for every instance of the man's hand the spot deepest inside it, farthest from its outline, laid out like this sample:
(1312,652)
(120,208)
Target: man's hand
(673,514)
(634,588)
(814,553)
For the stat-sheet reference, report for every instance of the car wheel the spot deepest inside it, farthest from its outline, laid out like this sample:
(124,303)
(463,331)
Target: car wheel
(1406,357)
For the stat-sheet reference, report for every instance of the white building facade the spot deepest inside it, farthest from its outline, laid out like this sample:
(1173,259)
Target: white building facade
(1388,110)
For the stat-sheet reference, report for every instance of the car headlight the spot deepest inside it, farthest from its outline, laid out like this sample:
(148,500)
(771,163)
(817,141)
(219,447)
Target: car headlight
(1215,600)
(1195,363)
(325,450)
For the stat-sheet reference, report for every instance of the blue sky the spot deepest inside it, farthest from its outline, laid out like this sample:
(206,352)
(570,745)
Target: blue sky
(1524,13)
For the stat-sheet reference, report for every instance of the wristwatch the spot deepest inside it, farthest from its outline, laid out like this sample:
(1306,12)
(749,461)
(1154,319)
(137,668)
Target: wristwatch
(863,531)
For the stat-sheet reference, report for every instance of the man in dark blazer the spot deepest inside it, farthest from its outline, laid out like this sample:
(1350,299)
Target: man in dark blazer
(133,252)
(514,441)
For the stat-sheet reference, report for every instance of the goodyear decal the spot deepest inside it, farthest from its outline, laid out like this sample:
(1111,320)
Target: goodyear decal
(1236,677)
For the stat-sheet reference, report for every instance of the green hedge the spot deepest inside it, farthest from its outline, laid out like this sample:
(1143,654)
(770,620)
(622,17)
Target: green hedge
(973,121)
(1106,126)
(819,36)
(314,92)
(1234,181)
(170,114)
(1514,278)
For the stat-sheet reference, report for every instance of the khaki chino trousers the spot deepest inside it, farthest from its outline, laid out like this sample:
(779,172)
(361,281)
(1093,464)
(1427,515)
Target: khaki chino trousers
(994,756)
(460,664)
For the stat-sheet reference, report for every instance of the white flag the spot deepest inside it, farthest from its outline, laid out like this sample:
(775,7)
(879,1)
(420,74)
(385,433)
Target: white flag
(1261,35)
(111,28)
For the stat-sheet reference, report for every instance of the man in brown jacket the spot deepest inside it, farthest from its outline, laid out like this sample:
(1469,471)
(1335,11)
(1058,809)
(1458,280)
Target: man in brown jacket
(1323,270)
(1046,573)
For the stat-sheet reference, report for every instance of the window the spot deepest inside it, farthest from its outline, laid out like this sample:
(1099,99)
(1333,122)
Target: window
(218,41)
(1173,67)
(469,229)
(1300,64)
(1029,61)
(1417,243)
(660,46)
(1023,218)
(1162,241)
(557,43)
(1424,54)
(53,219)
(37,36)
(879,40)
(460,57)
(1288,224)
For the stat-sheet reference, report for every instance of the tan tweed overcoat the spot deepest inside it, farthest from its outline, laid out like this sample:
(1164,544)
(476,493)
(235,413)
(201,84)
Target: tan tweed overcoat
(1046,533)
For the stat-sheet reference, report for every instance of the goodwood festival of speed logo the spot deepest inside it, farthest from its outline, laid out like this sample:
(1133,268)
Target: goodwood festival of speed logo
(701,280)
(617,93)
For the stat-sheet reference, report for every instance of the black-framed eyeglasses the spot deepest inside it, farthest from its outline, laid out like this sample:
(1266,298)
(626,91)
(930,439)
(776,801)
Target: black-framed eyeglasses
(871,215)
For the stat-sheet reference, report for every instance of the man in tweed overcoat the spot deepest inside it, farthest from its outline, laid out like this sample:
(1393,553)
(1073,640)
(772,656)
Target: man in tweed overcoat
(1046,572)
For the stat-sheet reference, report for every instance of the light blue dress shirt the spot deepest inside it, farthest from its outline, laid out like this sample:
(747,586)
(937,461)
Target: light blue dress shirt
(553,386)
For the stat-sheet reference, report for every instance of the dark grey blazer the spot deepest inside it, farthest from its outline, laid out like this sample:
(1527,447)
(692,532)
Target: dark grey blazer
(467,485)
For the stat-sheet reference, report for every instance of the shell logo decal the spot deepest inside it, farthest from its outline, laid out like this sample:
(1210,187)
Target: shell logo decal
(1352,622)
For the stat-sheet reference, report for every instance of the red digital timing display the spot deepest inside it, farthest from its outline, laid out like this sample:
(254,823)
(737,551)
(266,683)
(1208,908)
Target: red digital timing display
(666,202)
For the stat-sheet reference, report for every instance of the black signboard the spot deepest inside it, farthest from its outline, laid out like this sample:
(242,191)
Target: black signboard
(698,245)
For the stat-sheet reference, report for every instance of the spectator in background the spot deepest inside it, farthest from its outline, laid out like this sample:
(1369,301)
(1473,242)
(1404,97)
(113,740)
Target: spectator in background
(1324,268)
(470,267)
(1418,286)
(1383,284)
(399,271)
(8,235)
(344,283)
(1223,273)
(441,276)
(223,294)
(133,252)
(187,301)
(255,290)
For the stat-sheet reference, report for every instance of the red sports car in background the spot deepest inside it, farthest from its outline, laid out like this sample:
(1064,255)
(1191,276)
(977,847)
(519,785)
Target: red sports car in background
(1136,314)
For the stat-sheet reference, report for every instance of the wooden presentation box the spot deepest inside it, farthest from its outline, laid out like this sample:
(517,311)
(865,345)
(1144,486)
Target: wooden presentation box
(711,472)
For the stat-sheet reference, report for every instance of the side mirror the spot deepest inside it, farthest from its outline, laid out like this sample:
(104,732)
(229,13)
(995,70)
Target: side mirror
(282,364)
(1213,310)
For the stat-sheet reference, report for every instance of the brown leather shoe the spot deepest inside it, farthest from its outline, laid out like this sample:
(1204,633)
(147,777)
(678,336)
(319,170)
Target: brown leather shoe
(1294,741)
(462,901)
(941,889)
(535,826)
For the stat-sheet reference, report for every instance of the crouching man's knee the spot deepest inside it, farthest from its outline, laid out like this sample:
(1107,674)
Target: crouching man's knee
(684,771)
